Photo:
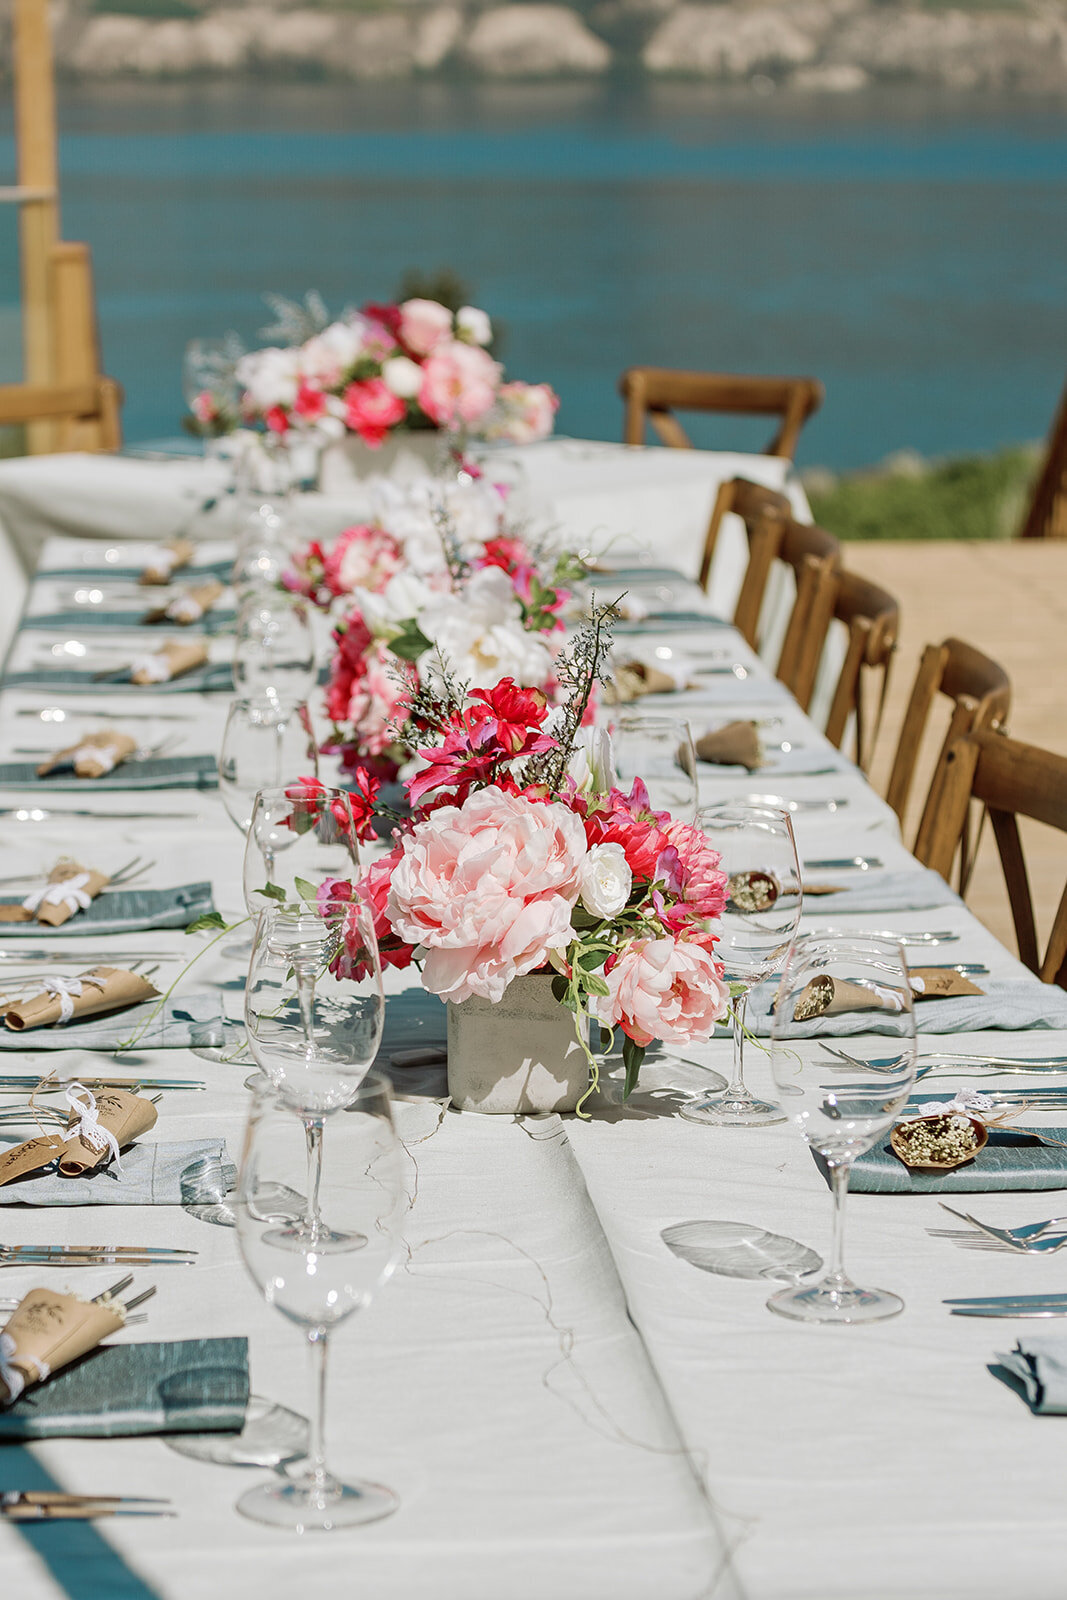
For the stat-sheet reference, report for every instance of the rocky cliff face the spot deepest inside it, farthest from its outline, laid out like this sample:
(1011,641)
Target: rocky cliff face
(817,45)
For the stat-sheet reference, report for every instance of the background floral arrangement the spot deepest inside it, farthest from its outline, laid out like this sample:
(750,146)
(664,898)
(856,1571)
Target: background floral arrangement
(413,364)
(439,585)
(520,856)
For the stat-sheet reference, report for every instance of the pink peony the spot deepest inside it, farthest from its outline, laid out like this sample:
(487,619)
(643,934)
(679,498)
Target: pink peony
(459,383)
(371,409)
(698,879)
(362,557)
(488,889)
(527,412)
(424,325)
(376,698)
(669,989)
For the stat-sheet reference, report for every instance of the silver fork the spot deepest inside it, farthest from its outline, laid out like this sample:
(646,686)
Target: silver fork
(1032,1236)
(937,1061)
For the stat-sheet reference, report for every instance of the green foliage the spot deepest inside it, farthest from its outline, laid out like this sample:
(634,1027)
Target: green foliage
(154,10)
(211,922)
(272,891)
(410,644)
(970,497)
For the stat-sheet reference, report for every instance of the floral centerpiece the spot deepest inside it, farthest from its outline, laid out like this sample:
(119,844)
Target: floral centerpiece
(452,590)
(521,858)
(386,367)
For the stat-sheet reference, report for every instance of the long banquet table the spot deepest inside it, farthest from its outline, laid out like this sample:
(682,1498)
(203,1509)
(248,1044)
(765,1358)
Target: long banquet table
(565,1407)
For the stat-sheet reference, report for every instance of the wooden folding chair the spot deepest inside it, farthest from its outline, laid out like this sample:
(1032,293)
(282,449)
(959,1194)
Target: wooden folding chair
(872,617)
(815,557)
(1046,515)
(765,513)
(1010,780)
(980,691)
(653,393)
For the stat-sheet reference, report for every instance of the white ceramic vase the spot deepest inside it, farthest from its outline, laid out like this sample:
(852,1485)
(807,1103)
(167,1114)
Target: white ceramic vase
(519,1056)
(403,457)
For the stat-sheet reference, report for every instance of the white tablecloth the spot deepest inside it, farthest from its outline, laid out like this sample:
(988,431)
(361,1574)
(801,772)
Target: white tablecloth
(565,1407)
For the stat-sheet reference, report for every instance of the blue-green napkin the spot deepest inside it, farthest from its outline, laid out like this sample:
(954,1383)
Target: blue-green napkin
(216,620)
(120,911)
(118,1390)
(195,1021)
(1037,1370)
(155,772)
(1012,1003)
(1013,1159)
(213,675)
(211,569)
(152,1175)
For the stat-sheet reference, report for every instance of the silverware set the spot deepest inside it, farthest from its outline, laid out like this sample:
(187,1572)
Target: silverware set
(935,1060)
(942,936)
(23,1082)
(843,863)
(50,814)
(781,804)
(1033,1238)
(146,753)
(61,714)
(95,1255)
(119,879)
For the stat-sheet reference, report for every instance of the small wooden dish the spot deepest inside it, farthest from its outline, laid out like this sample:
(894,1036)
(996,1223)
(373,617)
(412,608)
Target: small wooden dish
(900,1148)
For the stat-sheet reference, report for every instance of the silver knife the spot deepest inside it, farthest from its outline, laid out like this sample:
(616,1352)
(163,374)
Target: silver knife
(41,814)
(842,863)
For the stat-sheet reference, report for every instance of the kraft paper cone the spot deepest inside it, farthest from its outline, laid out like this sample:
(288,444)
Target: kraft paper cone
(736,745)
(174,659)
(120,989)
(187,607)
(92,757)
(176,553)
(54,915)
(123,1114)
(826,997)
(634,679)
(49,1330)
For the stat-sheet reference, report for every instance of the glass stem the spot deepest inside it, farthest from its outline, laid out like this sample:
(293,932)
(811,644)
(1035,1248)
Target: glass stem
(268,862)
(737,1083)
(318,1479)
(313,1135)
(305,994)
(837,1277)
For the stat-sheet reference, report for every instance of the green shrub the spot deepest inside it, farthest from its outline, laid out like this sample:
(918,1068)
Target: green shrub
(970,497)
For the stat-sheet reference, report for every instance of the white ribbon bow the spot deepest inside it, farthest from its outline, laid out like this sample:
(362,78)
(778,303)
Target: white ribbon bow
(10,1374)
(185,609)
(66,991)
(89,1129)
(68,892)
(161,559)
(155,668)
(102,754)
(969,1102)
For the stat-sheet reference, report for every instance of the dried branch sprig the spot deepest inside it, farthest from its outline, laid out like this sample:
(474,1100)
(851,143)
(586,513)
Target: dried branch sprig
(577,669)
(456,562)
(432,705)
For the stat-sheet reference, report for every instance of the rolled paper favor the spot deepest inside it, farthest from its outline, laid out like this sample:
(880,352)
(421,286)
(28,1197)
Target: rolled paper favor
(187,607)
(167,559)
(171,660)
(115,1112)
(735,745)
(69,889)
(825,997)
(92,993)
(634,679)
(93,757)
(48,1330)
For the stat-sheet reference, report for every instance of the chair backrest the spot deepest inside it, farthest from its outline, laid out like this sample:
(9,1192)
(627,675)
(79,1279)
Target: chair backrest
(815,557)
(981,694)
(1046,515)
(652,394)
(765,513)
(91,408)
(1011,780)
(872,618)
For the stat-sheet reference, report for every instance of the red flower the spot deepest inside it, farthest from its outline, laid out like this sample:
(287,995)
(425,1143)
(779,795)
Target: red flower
(387,314)
(310,403)
(277,419)
(362,799)
(499,728)
(348,666)
(371,409)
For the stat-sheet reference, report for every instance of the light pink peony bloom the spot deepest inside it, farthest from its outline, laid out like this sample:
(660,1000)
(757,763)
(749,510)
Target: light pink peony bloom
(371,410)
(424,325)
(363,557)
(669,989)
(459,384)
(375,703)
(526,413)
(488,889)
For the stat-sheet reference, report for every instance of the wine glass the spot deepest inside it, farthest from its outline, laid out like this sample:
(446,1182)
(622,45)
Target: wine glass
(658,750)
(850,974)
(759,923)
(310,828)
(361,1193)
(267,741)
(314,1014)
(274,647)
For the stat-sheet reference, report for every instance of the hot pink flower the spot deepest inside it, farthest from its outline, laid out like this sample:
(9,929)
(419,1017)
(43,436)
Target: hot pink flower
(376,699)
(348,666)
(699,882)
(277,419)
(488,888)
(668,989)
(371,409)
(374,890)
(459,384)
(424,325)
(204,407)
(527,412)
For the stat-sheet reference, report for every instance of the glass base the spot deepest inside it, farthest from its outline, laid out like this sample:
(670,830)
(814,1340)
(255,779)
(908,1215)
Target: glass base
(307,1509)
(271,1436)
(735,1108)
(307,1237)
(838,1302)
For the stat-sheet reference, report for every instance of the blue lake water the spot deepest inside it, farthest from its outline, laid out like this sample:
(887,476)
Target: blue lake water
(909,251)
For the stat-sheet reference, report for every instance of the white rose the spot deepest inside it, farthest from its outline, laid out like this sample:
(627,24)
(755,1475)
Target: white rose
(473,325)
(270,376)
(402,376)
(606,880)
